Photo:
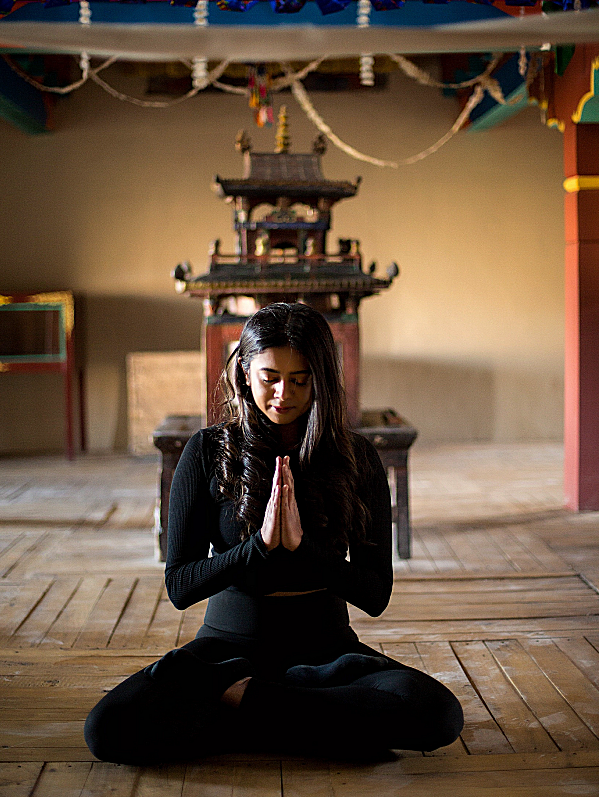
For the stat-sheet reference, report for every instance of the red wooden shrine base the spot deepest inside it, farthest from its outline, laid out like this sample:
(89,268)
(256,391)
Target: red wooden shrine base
(219,335)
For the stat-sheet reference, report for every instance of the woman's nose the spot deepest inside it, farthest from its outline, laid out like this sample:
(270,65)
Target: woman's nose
(283,389)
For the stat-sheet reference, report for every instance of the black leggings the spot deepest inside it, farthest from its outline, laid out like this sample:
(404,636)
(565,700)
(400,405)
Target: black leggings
(144,721)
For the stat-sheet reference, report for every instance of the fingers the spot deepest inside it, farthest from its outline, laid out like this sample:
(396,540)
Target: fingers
(278,474)
(271,528)
(287,474)
(291,528)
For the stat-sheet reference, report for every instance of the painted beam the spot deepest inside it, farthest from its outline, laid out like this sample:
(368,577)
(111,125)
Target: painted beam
(21,104)
(489,113)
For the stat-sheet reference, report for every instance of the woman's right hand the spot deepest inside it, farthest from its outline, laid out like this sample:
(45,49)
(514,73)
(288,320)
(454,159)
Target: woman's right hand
(271,528)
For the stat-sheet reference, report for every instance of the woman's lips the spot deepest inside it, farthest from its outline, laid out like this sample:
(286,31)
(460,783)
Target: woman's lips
(282,409)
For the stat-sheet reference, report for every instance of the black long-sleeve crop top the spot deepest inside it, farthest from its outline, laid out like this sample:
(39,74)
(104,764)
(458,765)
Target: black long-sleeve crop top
(205,554)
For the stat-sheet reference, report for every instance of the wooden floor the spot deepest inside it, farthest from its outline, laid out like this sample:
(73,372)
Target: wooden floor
(500,602)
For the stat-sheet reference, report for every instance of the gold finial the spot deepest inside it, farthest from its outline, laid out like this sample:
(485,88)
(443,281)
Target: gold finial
(243,142)
(283,142)
(319,147)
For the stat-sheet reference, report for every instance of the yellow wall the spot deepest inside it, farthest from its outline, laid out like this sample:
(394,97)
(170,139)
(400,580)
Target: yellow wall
(467,343)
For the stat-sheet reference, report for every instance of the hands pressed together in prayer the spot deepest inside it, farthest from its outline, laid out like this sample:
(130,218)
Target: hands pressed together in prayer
(282,525)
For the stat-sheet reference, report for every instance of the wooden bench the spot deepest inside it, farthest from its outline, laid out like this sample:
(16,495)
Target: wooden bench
(391,435)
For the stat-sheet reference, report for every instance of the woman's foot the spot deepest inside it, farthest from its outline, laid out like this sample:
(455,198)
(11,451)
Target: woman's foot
(234,694)
(342,671)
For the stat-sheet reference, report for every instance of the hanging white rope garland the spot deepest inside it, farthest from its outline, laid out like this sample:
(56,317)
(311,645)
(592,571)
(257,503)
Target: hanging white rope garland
(474,99)
(300,94)
(201,78)
(421,76)
(60,89)
(119,95)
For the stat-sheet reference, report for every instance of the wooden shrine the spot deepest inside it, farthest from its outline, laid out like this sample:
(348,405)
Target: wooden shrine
(282,215)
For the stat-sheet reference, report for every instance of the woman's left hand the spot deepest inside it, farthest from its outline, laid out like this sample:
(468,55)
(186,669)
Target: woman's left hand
(291,526)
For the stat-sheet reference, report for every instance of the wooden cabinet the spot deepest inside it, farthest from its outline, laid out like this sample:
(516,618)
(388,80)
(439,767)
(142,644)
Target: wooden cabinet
(37,335)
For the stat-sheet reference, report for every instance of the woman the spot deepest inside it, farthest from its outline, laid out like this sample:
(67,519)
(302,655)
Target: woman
(264,509)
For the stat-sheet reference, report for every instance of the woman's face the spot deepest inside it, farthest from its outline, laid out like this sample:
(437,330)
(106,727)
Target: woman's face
(281,384)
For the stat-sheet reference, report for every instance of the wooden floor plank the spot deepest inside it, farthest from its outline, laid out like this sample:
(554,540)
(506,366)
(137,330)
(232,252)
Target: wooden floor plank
(491,606)
(35,559)
(110,779)
(237,779)
(471,555)
(503,584)
(48,704)
(38,623)
(518,723)
(404,652)
(65,630)
(470,630)
(584,655)
(494,556)
(18,780)
(420,561)
(438,551)
(487,598)
(17,609)
(164,629)
(520,557)
(384,781)
(161,781)
(137,616)
(45,754)
(547,558)
(35,733)
(580,693)
(62,779)
(481,734)
(306,779)
(134,513)
(552,711)
(106,613)
(23,544)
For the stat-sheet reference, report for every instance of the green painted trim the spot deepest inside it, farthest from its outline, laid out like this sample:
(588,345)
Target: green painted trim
(588,107)
(19,118)
(499,113)
(33,307)
(345,318)
(31,358)
(226,319)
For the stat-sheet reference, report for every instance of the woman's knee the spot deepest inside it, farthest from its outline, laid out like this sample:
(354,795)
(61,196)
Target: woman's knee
(102,731)
(422,714)
(116,727)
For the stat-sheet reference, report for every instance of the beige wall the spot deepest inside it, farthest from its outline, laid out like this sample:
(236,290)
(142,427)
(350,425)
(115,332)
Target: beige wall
(467,343)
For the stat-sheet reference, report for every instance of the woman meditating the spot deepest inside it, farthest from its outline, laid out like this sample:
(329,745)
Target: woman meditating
(265,508)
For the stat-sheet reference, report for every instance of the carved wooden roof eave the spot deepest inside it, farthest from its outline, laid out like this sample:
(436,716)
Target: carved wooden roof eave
(332,189)
(364,286)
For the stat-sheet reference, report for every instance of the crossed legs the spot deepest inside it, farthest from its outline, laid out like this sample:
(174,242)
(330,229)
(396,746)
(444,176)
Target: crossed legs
(173,710)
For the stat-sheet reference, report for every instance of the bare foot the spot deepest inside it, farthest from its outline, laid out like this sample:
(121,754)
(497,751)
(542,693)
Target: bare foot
(232,696)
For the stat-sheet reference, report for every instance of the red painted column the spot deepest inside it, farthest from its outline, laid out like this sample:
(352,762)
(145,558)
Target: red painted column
(581,426)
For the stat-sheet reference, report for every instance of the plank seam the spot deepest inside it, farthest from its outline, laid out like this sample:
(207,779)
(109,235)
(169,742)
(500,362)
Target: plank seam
(480,696)
(123,609)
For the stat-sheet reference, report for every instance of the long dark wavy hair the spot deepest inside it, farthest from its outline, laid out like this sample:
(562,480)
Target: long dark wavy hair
(247,440)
